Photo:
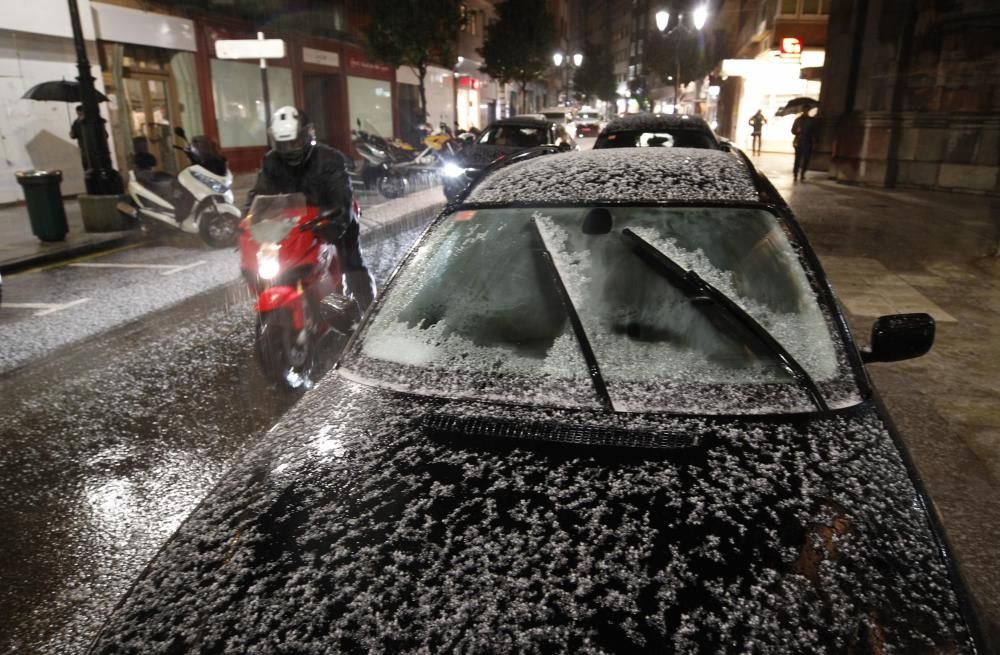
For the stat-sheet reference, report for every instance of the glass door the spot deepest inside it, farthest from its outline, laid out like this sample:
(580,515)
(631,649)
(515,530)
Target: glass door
(151,118)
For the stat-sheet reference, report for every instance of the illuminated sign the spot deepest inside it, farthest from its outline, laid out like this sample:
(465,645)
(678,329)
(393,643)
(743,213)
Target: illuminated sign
(791,46)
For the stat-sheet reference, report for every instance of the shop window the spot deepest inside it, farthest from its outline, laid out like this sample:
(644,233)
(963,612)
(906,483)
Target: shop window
(239,104)
(370,101)
(810,7)
(789,7)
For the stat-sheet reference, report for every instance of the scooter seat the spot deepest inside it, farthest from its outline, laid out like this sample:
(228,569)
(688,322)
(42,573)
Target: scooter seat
(160,183)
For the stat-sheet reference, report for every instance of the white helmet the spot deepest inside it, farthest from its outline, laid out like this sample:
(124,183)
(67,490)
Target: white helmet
(292,134)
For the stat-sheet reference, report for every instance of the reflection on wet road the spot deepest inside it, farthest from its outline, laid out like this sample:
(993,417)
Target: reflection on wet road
(108,445)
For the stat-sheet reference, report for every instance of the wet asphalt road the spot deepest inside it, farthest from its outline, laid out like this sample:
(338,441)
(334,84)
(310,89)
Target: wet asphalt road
(109,443)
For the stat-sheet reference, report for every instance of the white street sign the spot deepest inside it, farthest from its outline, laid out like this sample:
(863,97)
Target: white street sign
(250,49)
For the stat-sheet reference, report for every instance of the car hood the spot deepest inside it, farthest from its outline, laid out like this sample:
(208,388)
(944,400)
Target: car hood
(365,523)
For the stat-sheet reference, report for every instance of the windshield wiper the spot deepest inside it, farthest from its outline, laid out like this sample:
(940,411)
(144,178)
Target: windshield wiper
(701,293)
(574,318)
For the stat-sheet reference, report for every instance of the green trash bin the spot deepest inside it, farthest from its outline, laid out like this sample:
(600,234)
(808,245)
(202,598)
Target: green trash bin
(45,205)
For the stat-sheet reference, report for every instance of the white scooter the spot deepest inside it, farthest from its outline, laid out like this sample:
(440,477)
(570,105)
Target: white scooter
(199,200)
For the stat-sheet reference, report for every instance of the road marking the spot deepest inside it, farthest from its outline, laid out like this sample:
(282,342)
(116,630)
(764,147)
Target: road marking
(178,269)
(66,262)
(168,269)
(45,307)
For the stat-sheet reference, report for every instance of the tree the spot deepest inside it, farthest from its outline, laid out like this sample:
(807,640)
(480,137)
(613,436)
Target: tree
(596,75)
(415,33)
(682,55)
(519,44)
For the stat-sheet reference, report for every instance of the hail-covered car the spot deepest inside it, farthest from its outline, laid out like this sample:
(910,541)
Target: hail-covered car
(659,131)
(503,139)
(622,413)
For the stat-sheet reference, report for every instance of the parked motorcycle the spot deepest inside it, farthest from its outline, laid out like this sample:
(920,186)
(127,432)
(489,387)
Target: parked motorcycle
(389,165)
(298,282)
(199,200)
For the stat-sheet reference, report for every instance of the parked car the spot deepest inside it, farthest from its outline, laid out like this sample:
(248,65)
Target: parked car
(612,414)
(658,130)
(563,115)
(588,123)
(503,138)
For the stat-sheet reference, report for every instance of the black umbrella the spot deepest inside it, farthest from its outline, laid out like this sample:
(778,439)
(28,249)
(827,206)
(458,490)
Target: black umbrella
(59,91)
(797,106)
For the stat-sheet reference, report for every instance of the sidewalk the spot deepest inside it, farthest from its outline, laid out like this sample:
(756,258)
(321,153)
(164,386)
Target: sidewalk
(896,251)
(20,249)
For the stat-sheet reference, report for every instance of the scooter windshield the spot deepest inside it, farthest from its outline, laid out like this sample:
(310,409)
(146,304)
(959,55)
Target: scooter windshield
(273,217)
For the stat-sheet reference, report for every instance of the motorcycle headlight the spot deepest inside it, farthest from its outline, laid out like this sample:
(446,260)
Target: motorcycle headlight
(452,170)
(268,265)
(211,183)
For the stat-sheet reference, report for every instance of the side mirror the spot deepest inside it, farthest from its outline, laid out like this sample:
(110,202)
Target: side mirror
(900,336)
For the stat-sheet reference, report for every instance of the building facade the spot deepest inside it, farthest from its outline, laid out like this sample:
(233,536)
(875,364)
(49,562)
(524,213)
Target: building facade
(911,95)
(776,52)
(36,45)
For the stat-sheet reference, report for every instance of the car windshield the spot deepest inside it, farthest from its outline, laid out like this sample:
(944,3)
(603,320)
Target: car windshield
(520,136)
(586,115)
(678,138)
(483,310)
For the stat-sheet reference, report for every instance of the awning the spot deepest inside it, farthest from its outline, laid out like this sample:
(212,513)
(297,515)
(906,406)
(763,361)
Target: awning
(813,74)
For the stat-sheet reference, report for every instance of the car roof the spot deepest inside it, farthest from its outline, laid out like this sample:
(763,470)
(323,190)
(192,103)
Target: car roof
(527,120)
(657,121)
(621,175)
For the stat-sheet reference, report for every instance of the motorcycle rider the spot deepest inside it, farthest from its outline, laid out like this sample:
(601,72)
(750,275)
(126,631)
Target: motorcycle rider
(298,164)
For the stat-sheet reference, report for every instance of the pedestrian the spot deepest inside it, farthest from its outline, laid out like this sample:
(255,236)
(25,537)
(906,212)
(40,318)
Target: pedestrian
(74,130)
(757,122)
(804,129)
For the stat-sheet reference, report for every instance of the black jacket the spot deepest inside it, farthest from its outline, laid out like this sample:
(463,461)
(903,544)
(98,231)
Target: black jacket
(322,177)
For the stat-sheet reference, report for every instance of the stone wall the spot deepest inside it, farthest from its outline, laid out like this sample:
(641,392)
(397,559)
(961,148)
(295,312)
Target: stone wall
(924,109)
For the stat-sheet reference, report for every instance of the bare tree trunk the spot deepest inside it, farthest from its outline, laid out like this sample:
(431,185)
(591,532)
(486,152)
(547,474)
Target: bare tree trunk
(421,74)
(524,98)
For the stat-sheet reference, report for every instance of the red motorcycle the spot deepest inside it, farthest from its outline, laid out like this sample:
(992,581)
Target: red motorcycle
(297,278)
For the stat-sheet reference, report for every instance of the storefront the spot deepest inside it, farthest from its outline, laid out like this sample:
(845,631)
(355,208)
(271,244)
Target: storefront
(149,70)
(233,99)
(324,92)
(439,88)
(369,93)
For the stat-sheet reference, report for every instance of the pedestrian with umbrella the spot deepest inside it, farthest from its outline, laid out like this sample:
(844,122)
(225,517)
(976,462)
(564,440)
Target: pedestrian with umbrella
(804,129)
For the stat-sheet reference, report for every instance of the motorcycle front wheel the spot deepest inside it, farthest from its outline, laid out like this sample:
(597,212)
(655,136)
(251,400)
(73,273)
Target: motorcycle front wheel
(286,356)
(392,185)
(217,228)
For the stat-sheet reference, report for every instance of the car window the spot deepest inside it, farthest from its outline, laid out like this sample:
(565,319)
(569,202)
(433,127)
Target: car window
(478,312)
(587,116)
(678,138)
(514,135)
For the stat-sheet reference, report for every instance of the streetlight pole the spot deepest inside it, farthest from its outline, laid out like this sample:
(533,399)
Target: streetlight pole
(699,17)
(565,63)
(99,178)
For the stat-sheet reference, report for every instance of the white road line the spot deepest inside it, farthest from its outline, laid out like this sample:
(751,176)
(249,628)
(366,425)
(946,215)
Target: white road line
(178,269)
(168,269)
(45,307)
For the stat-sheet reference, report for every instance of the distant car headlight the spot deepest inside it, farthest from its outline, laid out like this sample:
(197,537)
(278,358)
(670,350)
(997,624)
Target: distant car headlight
(452,170)
(268,265)
(211,183)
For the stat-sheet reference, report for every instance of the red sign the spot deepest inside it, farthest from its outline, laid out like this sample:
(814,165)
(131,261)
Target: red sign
(468,83)
(791,46)
(358,65)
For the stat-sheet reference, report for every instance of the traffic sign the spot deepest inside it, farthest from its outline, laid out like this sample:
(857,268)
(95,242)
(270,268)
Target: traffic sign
(250,49)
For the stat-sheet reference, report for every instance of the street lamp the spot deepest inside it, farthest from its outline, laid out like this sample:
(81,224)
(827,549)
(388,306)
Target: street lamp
(559,60)
(699,18)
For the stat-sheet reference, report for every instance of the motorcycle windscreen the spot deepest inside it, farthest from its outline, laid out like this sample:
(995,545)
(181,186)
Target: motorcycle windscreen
(273,217)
